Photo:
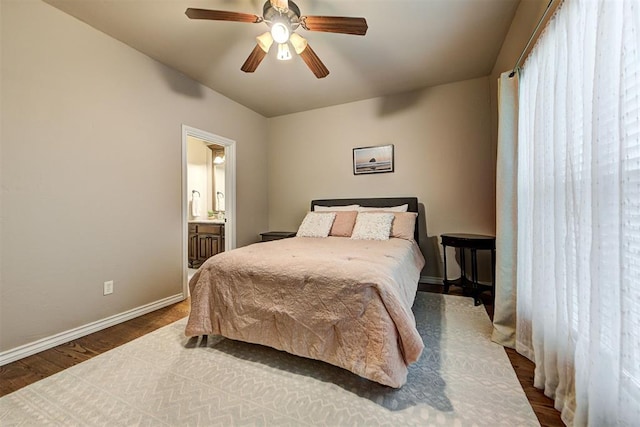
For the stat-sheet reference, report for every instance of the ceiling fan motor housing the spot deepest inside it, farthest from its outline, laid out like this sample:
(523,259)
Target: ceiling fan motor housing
(271,15)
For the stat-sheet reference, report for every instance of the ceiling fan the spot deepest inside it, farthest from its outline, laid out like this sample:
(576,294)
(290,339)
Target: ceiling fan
(283,18)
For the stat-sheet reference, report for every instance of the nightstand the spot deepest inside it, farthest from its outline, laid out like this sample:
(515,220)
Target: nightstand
(276,235)
(473,242)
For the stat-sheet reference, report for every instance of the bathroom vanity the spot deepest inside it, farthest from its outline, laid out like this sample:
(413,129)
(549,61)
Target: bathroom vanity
(206,238)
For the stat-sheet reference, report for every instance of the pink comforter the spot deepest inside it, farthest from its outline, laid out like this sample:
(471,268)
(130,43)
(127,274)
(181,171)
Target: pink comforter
(346,302)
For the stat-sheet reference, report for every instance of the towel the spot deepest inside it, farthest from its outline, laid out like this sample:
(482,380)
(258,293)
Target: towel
(195,204)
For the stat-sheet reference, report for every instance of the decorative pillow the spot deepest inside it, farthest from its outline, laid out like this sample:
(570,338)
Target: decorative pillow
(343,224)
(372,226)
(401,208)
(403,225)
(318,208)
(316,224)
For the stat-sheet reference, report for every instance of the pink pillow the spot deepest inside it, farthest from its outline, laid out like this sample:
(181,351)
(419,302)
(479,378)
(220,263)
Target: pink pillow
(403,225)
(343,224)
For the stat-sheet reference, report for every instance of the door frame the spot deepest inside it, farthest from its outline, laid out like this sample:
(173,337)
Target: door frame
(229,197)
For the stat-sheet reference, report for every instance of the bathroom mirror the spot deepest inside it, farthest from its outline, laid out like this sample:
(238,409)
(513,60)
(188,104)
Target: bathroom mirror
(218,186)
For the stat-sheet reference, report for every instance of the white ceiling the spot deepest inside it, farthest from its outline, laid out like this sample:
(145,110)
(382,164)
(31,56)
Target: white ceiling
(410,44)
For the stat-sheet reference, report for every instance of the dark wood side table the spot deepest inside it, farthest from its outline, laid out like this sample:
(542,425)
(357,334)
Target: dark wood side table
(473,242)
(276,235)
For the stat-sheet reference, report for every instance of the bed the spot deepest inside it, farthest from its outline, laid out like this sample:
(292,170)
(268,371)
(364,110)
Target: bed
(345,301)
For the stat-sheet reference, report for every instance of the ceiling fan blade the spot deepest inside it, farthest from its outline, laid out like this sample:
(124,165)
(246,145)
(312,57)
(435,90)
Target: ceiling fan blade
(335,24)
(314,63)
(254,59)
(222,15)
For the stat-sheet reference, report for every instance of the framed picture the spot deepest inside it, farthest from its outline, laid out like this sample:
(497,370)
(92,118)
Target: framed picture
(378,159)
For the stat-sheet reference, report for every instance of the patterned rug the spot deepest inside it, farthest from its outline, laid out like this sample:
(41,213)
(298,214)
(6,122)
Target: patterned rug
(165,379)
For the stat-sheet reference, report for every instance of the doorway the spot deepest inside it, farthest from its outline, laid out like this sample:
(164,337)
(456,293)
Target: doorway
(216,191)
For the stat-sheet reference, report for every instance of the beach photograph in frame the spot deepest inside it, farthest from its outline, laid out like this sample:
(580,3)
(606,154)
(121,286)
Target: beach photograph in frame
(378,159)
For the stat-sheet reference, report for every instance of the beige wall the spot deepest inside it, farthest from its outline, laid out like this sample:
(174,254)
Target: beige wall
(441,137)
(91,172)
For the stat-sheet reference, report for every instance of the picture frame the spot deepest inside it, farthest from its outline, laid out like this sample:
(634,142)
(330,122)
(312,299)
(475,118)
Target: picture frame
(375,159)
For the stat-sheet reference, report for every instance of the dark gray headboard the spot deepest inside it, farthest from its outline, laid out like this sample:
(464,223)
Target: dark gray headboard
(381,202)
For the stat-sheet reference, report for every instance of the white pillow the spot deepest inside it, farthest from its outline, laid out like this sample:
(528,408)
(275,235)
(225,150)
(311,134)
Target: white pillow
(318,208)
(316,224)
(372,226)
(401,208)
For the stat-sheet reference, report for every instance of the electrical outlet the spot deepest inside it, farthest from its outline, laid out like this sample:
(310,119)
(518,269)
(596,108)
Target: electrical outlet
(108,287)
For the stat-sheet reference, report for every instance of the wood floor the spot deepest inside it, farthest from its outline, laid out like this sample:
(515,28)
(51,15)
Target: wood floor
(26,371)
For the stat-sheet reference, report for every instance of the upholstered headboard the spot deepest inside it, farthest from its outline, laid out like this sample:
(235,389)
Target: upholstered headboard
(382,202)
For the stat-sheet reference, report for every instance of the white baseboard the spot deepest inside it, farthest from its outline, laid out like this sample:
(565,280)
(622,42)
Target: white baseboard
(81,331)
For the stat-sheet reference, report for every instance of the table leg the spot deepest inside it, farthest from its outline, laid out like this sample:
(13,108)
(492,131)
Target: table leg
(444,280)
(493,275)
(463,271)
(474,277)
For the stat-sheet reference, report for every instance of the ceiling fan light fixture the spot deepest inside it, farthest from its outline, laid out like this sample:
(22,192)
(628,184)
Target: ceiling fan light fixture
(284,54)
(283,17)
(299,43)
(280,32)
(265,41)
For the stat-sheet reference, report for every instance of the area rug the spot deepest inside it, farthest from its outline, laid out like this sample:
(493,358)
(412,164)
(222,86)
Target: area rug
(165,379)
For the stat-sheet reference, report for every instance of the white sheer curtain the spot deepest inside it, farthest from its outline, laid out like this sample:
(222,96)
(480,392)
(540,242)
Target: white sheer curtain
(578,256)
